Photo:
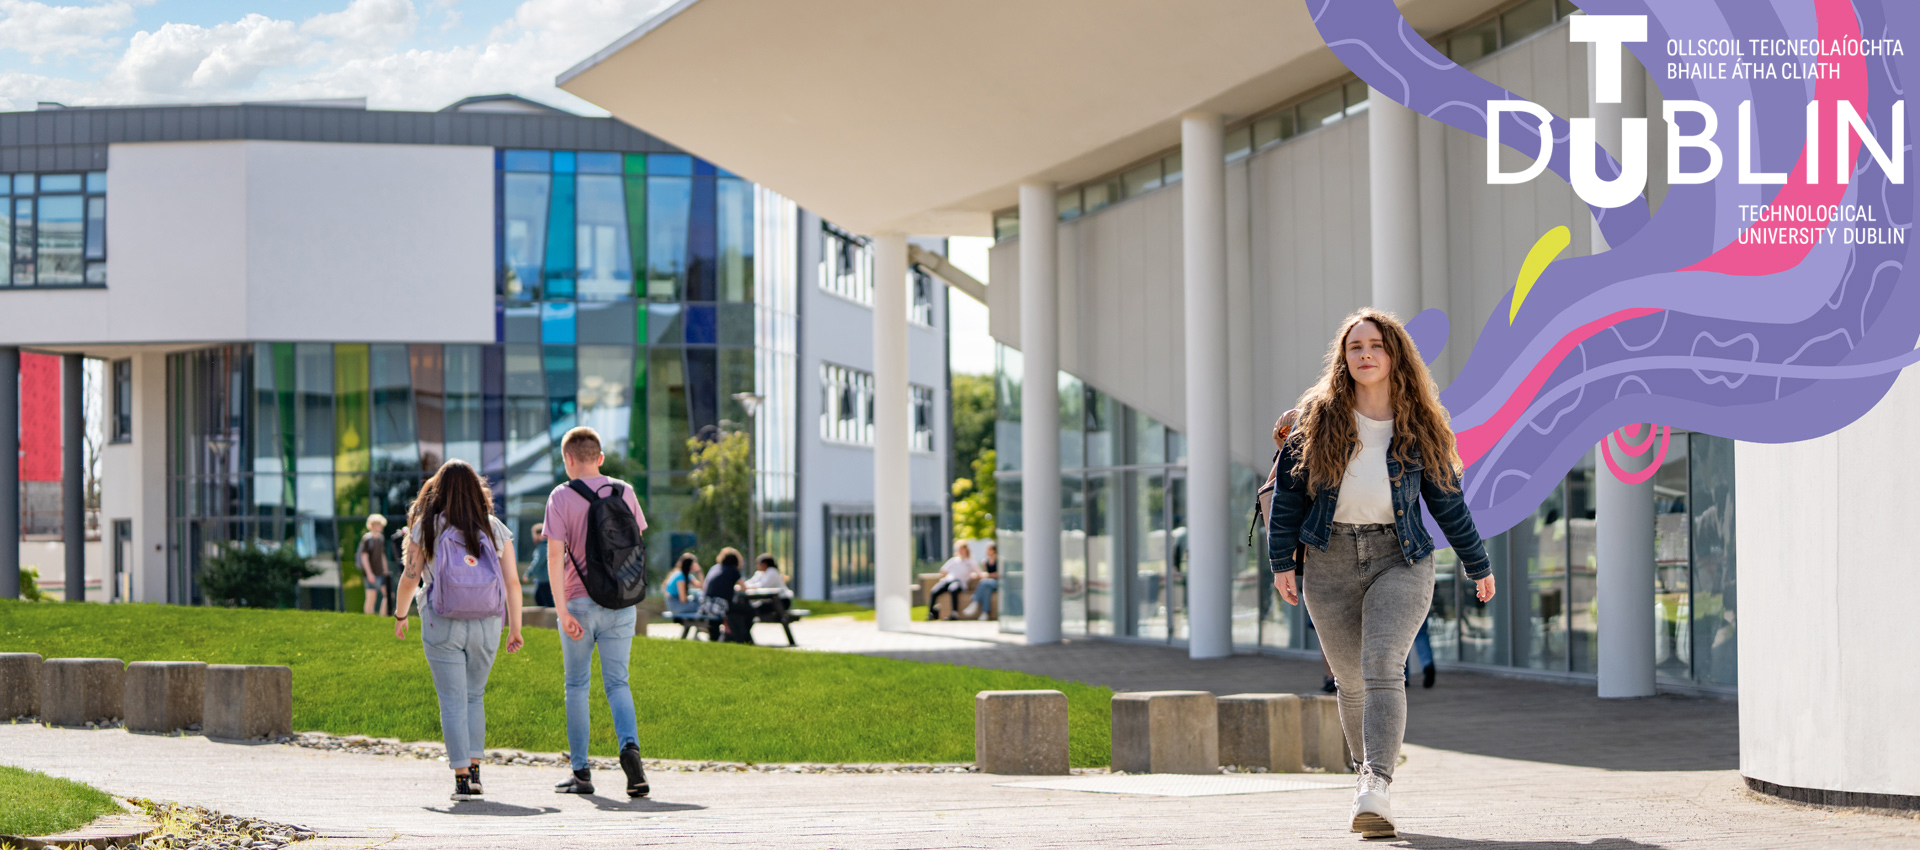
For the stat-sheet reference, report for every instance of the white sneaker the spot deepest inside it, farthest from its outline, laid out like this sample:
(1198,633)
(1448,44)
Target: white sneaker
(971,611)
(1372,813)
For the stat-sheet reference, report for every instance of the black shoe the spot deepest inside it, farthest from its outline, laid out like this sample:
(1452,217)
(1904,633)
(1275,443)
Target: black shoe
(473,779)
(1331,687)
(581,782)
(463,789)
(1426,676)
(636,772)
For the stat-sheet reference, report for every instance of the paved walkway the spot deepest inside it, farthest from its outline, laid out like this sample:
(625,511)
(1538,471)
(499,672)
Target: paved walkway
(1491,762)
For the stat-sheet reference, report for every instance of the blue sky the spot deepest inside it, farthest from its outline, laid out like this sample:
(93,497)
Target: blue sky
(400,54)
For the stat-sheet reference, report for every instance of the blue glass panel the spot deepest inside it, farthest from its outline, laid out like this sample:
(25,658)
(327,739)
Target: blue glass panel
(556,323)
(6,186)
(703,327)
(702,168)
(522,324)
(563,387)
(599,163)
(23,184)
(499,322)
(721,172)
(703,380)
(702,244)
(96,181)
(663,324)
(560,236)
(669,200)
(96,228)
(524,231)
(670,164)
(563,162)
(541,161)
(605,266)
(59,182)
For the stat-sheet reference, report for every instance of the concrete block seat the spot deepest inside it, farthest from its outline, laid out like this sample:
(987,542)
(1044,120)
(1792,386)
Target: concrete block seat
(944,606)
(76,691)
(1261,730)
(162,696)
(1166,732)
(537,617)
(1322,742)
(247,702)
(1020,733)
(20,674)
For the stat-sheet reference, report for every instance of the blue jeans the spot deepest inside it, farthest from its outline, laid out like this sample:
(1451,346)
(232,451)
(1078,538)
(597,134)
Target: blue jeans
(1423,646)
(612,631)
(460,655)
(983,594)
(687,608)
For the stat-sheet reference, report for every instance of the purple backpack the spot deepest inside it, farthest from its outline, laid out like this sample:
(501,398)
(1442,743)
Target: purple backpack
(466,585)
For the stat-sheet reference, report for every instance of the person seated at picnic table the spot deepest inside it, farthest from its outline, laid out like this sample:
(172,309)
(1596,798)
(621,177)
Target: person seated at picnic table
(683,586)
(955,576)
(767,577)
(722,582)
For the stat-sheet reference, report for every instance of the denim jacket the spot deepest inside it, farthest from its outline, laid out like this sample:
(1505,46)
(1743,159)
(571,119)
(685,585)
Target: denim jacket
(1295,519)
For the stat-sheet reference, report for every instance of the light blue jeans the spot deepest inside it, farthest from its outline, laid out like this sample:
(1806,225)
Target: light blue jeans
(612,631)
(460,655)
(983,594)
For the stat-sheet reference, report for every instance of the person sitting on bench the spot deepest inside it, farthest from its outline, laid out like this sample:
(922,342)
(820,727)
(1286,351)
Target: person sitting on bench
(768,577)
(955,576)
(683,587)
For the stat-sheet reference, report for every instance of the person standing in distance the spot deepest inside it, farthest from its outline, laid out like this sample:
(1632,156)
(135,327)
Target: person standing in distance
(537,572)
(584,623)
(1373,443)
(372,555)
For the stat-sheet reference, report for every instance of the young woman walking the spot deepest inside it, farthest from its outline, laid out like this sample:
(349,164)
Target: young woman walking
(464,556)
(1372,443)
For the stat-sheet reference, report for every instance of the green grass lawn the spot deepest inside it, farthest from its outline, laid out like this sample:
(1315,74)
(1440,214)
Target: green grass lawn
(33,803)
(696,700)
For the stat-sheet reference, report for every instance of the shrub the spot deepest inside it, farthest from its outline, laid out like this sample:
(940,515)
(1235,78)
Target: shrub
(30,585)
(248,575)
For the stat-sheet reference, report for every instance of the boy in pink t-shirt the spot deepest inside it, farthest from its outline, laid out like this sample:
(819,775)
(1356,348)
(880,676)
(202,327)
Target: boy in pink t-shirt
(584,623)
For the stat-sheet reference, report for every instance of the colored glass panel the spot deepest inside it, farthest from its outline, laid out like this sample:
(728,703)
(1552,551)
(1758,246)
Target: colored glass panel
(636,163)
(556,323)
(702,244)
(702,325)
(667,425)
(605,264)
(636,201)
(677,164)
(703,168)
(597,163)
(539,161)
(524,231)
(561,262)
(734,226)
(637,431)
(353,430)
(703,385)
(62,237)
(669,203)
(563,162)
(562,366)
(606,394)
(427,365)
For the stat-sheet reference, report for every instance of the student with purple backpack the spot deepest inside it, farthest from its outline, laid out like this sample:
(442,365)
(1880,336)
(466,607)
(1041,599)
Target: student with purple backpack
(464,556)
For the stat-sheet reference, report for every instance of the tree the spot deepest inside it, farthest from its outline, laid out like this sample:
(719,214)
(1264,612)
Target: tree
(248,575)
(972,408)
(974,503)
(722,478)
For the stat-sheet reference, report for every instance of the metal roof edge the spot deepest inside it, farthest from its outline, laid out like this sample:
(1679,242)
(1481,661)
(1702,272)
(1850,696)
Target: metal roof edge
(621,43)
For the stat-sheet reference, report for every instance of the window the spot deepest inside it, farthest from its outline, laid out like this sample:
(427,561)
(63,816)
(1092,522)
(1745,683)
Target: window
(846,410)
(53,229)
(922,417)
(122,401)
(849,552)
(921,310)
(846,264)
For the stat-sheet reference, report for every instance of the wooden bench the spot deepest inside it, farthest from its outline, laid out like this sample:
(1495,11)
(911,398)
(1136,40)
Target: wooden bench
(786,619)
(945,603)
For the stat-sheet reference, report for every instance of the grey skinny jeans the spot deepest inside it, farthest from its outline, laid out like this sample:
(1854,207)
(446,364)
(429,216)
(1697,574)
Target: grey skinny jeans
(460,655)
(1367,604)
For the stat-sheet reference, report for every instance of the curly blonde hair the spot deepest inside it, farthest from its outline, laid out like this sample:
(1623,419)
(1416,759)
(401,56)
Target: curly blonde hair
(1328,435)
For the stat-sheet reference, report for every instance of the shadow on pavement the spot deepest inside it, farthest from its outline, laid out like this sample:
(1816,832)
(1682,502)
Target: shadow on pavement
(609,804)
(489,808)
(1467,712)
(1436,842)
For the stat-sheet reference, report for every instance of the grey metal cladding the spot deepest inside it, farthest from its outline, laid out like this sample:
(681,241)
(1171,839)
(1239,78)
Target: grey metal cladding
(77,139)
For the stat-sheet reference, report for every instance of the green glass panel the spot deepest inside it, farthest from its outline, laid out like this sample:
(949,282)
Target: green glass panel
(637,443)
(352,430)
(636,163)
(560,239)
(637,228)
(283,384)
(667,427)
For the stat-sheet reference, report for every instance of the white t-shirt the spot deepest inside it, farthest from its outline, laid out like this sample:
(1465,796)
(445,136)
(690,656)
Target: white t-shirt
(773,579)
(960,569)
(1366,496)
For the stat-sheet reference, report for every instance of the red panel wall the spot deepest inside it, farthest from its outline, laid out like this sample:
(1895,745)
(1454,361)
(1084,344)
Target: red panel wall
(39,417)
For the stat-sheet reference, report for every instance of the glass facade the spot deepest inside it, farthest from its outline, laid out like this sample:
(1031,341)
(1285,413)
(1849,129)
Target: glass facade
(628,298)
(1123,551)
(53,229)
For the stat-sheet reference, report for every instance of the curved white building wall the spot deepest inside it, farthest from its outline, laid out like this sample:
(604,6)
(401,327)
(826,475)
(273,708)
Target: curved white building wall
(1829,569)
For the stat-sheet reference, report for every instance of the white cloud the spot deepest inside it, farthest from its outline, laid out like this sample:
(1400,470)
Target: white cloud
(357,51)
(39,30)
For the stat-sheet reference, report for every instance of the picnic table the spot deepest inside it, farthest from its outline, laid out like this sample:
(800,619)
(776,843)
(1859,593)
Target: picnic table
(770,605)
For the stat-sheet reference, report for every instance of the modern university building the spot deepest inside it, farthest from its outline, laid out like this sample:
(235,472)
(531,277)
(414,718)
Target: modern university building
(304,308)
(1187,198)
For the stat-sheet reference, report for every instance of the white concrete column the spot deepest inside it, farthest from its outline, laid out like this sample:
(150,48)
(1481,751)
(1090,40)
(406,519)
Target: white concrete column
(1624,512)
(1393,204)
(892,424)
(1040,410)
(1203,196)
(1434,258)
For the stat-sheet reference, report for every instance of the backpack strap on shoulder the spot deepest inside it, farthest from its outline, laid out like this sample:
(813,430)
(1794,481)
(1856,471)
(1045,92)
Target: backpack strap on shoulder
(578,486)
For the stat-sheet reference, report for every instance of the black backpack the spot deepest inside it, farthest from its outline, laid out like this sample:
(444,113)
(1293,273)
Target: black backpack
(615,569)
